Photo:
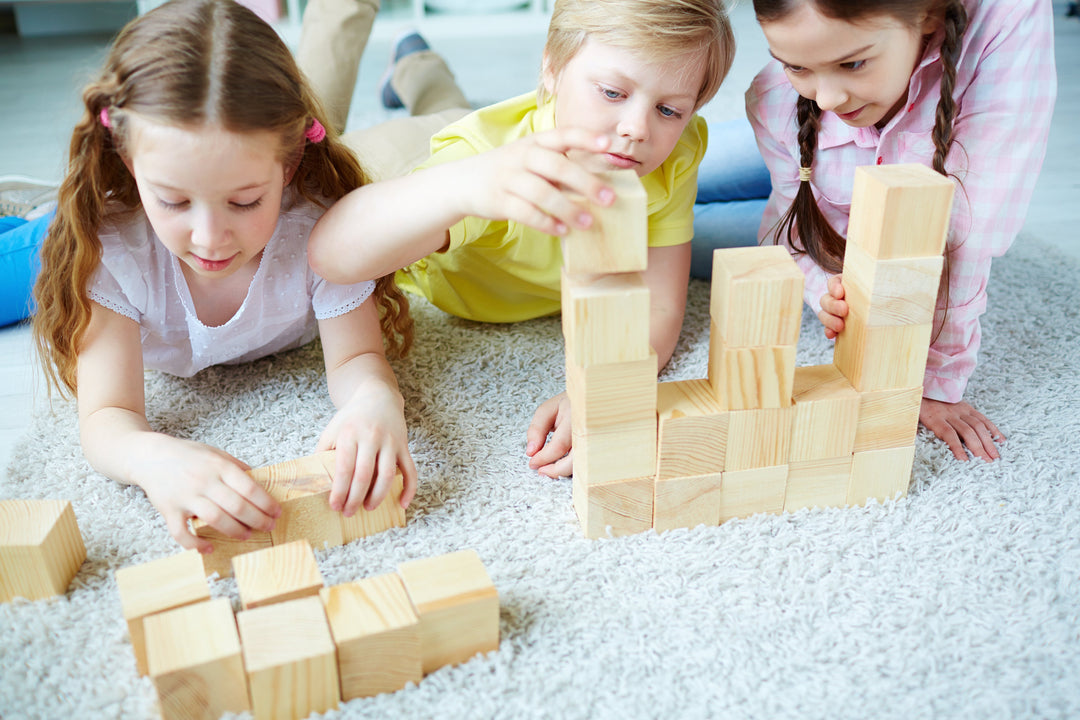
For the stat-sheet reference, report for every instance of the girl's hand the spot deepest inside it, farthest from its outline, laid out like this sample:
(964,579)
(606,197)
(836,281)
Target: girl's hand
(185,479)
(372,442)
(833,308)
(551,456)
(960,425)
(532,181)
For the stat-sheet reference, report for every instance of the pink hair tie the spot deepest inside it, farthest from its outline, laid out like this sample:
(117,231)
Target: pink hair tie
(316,132)
(103,116)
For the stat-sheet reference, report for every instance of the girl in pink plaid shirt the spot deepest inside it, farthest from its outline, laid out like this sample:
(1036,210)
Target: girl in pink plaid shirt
(963,86)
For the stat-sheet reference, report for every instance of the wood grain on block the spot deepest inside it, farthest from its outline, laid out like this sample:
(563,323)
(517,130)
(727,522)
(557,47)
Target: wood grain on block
(608,396)
(377,634)
(758,438)
(41,548)
(617,240)
(226,548)
(686,502)
(605,319)
(826,414)
(195,661)
(899,211)
(290,659)
(880,474)
(756,296)
(280,573)
(744,378)
(457,604)
(622,452)
(881,358)
(302,486)
(888,418)
(818,483)
(621,507)
(154,587)
(748,492)
(902,291)
(692,430)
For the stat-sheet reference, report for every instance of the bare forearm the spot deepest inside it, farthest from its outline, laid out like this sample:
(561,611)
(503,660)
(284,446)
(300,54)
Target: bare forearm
(112,438)
(360,376)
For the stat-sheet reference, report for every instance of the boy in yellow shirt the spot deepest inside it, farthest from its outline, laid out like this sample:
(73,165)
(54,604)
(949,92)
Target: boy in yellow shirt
(476,226)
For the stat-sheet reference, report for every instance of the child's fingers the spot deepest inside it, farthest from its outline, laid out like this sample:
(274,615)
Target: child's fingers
(537,203)
(359,481)
(178,528)
(344,467)
(569,176)
(562,468)
(836,287)
(558,445)
(386,471)
(543,421)
(220,519)
(832,323)
(257,505)
(409,479)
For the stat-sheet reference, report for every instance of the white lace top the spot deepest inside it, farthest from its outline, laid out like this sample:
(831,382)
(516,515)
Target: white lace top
(140,279)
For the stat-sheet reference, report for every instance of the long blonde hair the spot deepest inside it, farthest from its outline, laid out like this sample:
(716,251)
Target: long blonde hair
(185,63)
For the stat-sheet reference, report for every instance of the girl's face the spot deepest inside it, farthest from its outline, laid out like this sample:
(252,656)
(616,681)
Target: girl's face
(642,106)
(859,71)
(212,196)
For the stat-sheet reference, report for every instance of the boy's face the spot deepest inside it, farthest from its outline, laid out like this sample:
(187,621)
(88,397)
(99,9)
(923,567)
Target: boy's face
(642,106)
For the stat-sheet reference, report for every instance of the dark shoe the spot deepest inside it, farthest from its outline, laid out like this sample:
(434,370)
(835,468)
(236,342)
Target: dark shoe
(408,42)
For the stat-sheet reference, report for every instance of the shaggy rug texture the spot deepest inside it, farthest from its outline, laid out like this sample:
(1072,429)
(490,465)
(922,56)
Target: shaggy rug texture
(960,600)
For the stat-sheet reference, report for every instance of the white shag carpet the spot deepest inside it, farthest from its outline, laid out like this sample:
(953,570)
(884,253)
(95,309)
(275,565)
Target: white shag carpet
(962,600)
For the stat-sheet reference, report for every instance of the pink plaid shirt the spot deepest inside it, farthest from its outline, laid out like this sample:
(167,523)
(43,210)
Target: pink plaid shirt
(1005,90)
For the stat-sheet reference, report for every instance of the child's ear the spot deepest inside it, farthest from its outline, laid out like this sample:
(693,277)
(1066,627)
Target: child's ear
(548,75)
(292,164)
(931,23)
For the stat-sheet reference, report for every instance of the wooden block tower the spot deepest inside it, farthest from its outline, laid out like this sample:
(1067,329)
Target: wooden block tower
(759,434)
(41,548)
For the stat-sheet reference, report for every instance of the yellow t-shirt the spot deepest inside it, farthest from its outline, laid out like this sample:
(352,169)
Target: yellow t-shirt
(499,271)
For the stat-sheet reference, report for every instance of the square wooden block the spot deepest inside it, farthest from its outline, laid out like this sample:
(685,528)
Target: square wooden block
(748,492)
(377,634)
(226,548)
(617,240)
(195,662)
(687,502)
(818,483)
(756,296)
(457,604)
(388,514)
(608,396)
(692,430)
(41,548)
(888,419)
(620,507)
(605,318)
(745,378)
(826,414)
(290,659)
(618,453)
(899,211)
(880,474)
(154,587)
(758,438)
(881,358)
(901,291)
(283,572)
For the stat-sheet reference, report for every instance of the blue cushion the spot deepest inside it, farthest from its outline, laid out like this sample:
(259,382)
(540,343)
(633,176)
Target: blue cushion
(20,262)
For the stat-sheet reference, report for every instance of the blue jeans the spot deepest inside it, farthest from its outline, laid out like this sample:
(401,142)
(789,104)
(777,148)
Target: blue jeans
(733,187)
(20,262)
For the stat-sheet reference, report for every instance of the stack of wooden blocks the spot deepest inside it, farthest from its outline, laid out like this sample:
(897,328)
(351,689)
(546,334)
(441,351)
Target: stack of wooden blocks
(302,487)
(297,647)
(41,548)
(759,434)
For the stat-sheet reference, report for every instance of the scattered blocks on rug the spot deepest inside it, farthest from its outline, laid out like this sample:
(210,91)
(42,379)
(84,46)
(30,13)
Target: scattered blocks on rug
(759,434)
(155,587)
(302,487)
(277,574)
(195,662)
(457,604)
(41,548)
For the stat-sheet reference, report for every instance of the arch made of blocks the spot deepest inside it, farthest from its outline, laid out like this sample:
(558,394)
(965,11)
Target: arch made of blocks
(758,434)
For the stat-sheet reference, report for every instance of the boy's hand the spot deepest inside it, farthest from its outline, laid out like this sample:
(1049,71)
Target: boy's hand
(833,308)
(185,479)
(531,181)
(551,457)
(960,425)
(372,442)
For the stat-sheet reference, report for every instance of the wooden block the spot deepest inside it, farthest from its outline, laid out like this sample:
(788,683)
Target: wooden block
(280,573)
(621,452)
(457,604)
(758,438)
(748,492)
(388,514)
(686,502)
(605,319)
(41,548)
(881,358)
(888,419)
(826,414)
(902,291)
(617,240)
(880,474)
(226,548)
(611,395)
(194,659)
(290,659)
(154,587)
(744,378)
(377,634)
(692,430)
(302,486)
(899,211)
(756,296)
(623,507)
(818,483)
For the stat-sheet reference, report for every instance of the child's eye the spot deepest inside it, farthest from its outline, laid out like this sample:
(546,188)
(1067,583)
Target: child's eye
(610,94)
(853,65)
(793,68)
(248,206)
(667,111)
(180,205)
